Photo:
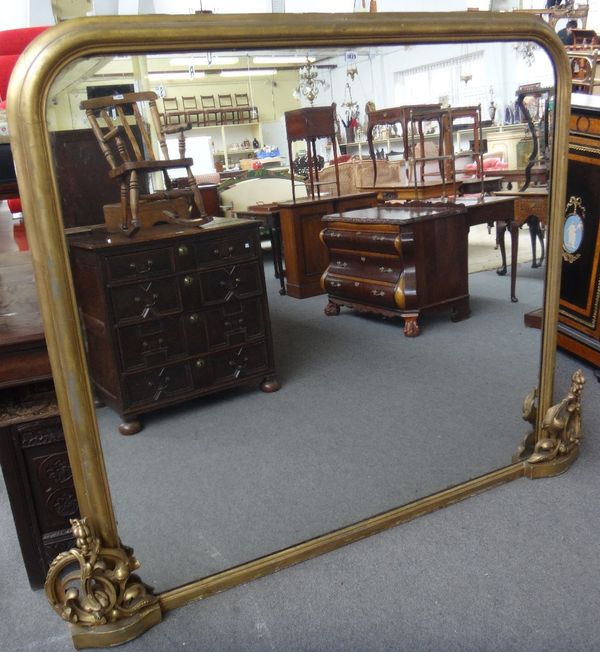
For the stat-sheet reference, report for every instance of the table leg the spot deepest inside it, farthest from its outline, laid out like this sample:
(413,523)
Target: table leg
(276,249)
(514,252)
(500,231)
(501,227)
(535,232)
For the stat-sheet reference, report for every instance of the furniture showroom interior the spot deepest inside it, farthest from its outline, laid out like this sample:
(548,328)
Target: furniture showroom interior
(277,277)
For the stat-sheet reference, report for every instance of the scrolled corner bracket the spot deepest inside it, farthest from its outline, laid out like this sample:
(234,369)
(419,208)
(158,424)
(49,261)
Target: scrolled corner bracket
(94,589)
(561,434)
(530,415)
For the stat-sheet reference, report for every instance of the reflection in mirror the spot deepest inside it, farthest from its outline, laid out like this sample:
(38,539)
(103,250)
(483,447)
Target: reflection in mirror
(366,419)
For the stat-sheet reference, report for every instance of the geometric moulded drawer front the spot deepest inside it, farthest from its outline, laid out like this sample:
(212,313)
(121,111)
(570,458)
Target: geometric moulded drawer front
(238,362)
(153,342)
(230,283)
(134,266)
(152,298)
(234,323)
(225,249)
(159,383)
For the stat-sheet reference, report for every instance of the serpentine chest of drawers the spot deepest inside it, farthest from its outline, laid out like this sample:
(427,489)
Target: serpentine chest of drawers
(397,261)
(173,313)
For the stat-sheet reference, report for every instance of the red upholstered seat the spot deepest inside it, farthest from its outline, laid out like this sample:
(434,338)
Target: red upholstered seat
(14,205)
(12,44)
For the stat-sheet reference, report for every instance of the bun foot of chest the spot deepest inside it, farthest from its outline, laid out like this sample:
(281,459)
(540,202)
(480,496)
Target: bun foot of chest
(331,309)
(130,427)
(270,384)
(411,327)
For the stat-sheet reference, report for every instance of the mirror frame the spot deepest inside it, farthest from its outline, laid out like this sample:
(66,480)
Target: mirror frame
(29,91)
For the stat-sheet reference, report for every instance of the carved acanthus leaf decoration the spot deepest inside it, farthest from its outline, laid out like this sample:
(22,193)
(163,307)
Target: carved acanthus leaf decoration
(561,427)
(90,585)
(529,415)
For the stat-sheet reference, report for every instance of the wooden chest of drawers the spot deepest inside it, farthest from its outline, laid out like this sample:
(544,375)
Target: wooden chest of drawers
(172,314)
(397,261)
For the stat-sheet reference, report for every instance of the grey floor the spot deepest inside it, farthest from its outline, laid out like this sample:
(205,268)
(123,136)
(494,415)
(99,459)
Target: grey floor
(514,568)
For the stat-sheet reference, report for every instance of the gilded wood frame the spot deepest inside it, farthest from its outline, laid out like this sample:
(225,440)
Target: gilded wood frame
(28,93)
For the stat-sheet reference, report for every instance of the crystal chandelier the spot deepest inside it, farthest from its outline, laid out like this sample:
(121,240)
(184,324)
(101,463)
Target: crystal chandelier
(526,51)
(309,84)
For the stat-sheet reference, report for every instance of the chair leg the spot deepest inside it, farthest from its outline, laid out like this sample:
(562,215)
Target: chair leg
(134,199)
(197,196)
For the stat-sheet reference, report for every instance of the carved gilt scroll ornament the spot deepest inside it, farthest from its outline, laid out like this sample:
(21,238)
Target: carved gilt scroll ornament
(90,585)
(561,427)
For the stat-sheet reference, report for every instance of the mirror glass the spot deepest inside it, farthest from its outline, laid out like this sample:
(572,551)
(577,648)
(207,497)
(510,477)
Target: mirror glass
(366,419)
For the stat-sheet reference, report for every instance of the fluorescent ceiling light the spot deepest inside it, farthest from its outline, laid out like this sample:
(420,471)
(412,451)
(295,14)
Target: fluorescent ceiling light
(281,60)
(256,72)
(174,75)
(204,60)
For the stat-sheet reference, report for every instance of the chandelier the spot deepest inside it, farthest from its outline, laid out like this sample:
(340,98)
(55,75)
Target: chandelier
(526,50)
(309,84)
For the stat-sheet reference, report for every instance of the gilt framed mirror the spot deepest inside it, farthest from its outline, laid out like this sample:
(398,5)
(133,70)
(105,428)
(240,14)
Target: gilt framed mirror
(286,476)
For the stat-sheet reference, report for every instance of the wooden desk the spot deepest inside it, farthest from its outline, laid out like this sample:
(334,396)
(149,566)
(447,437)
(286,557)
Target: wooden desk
(488,210)
(306,256)
(32,449)
(398,261)
(410,191)
(268,216)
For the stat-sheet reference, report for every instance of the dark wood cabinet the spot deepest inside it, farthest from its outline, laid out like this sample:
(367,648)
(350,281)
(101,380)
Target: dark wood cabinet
(398,261)
(33,455)
(305,255)
(174,313)
(579,311)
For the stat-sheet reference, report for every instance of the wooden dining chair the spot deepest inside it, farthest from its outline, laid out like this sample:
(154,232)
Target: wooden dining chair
(228,113)
(209,106)
(193,114)
(114,121)
(173,115)
(245,112)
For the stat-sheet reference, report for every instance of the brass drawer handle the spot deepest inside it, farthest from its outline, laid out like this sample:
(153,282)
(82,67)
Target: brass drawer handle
(200,363)
(194,319)
(339,263)
(182,250)
(386,270)
(188,280)
(142,270)
(378,293)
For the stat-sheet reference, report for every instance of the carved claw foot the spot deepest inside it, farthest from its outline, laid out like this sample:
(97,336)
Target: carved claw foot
(411,327)
(130,427)
(332,309)
(270,384)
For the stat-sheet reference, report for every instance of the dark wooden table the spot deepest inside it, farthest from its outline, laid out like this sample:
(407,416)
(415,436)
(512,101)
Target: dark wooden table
(492,210)
(32,449)
(268,216)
